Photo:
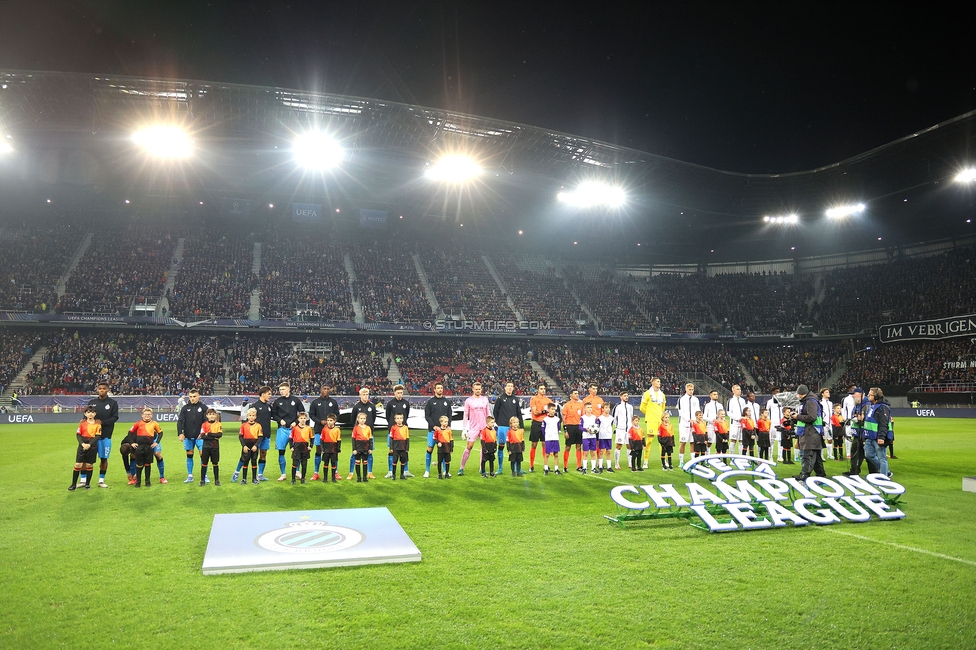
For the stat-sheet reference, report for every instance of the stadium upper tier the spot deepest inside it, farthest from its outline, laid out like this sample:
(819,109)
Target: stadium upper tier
(70,135)
(325,275)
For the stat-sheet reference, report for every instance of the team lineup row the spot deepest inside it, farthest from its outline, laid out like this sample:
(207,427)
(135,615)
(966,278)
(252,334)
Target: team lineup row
(594,427)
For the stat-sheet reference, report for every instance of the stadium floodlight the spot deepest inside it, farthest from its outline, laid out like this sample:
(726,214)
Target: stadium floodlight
(5,146)
(967,175)
(317,150)
(592,194)
(453,169)
(842,211)
(163,141)
(786,219)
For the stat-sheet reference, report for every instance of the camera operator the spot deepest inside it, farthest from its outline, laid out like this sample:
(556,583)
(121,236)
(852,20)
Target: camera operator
(877,421)
(809,434)
(856,422)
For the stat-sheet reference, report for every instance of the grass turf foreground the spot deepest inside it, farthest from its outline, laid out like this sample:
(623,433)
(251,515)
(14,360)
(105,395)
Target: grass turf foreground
(522,563)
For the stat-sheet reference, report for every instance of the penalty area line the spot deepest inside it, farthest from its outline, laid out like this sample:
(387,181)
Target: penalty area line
(901,546)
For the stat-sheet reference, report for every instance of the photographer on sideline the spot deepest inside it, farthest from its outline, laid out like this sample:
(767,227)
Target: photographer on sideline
(809,434)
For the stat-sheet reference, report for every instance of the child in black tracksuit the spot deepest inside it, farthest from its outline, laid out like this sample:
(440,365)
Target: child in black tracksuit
(515,440)
(786,436)
(210,433)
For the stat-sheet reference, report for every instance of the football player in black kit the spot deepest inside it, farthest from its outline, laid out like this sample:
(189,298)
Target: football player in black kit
(319,410)
(435,407)
(284,411)
(188,423)
(263,409)
(106,412)
(507,406)
(395,406)
(368,409)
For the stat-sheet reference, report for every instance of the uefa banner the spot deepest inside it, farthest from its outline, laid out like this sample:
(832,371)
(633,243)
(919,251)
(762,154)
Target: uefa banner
(928,330)
(306,212)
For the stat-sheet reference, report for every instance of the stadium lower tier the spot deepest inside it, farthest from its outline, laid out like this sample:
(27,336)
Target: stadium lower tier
(137,362)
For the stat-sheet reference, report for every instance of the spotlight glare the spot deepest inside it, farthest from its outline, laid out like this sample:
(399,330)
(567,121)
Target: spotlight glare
(271,206)
(842,211)
(162,141)
(317,150)
(967,175)
(591,194)
(453,169)
(783,219)
(5,146)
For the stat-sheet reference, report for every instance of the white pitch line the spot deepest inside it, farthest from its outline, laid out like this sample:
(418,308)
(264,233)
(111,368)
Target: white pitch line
(901,546)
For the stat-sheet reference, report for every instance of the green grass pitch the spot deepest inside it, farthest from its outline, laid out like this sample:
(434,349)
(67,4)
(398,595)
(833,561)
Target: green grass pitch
(521,563)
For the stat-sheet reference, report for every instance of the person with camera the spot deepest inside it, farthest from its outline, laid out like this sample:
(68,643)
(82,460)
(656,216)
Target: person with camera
(809,434)
(877,429)
(856,422)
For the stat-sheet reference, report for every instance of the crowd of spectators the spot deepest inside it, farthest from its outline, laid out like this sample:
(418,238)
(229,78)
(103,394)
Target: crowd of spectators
(672,301)
(119,268)
(914,363)
(749,302)
(538,293)
(459,363)
(902,290)
(387,284)
(304,274)
(613,367)
(788,365)
(614,305)
(133,363)
(16,348)
(215,278)
(33,260)
(463,284)
(351,364)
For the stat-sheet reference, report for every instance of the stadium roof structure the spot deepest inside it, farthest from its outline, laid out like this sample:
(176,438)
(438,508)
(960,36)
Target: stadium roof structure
(243,133)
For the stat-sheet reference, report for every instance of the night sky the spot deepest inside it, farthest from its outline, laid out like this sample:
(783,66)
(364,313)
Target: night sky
(757,87)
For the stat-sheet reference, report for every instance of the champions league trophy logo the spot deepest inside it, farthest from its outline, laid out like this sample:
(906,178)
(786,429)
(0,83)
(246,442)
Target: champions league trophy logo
(308,537)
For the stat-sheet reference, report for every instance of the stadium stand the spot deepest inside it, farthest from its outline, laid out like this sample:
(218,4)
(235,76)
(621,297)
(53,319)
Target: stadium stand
(613,367)
(788,365)
(538,293)
(750,302)
(903,290)
(387,283)
(462,283)
(672,302)
(134,363)
(16,348)
(459,363)
(119,269)
(214,279)
(303,273)
(351,364)
(913,364)
(33,261)
(613,304)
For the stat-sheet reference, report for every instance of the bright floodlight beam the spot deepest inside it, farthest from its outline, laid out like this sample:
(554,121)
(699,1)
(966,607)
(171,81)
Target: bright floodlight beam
(6,146)
(163,141)
(593,194)
(453,169)
(317,150)
(842,211)
(967,175)
(792,219)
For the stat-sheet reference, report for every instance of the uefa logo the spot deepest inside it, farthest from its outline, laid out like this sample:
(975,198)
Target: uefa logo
(310,537)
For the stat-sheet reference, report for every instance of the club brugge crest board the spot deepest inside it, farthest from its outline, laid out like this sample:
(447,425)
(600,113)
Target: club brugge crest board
(306,539)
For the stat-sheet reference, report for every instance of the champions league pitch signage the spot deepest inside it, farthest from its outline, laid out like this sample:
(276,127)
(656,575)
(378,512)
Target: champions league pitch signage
(745,494)
(306,539)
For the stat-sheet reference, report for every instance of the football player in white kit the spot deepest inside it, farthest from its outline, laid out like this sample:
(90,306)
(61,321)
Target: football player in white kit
(688,406)
(734,410)
(710,413)
(847,407)
(622,415)
(775,418)
(827,408)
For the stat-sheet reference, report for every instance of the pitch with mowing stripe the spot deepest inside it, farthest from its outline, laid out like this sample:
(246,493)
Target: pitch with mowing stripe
(519,563)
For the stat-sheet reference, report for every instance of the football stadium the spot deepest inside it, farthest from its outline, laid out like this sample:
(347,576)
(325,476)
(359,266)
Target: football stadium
(406,376)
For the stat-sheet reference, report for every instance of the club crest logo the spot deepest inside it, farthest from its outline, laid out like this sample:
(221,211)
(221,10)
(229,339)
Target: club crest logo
(306,537)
